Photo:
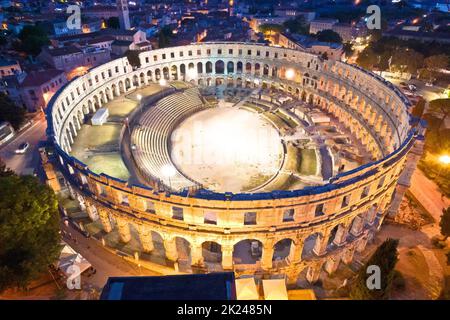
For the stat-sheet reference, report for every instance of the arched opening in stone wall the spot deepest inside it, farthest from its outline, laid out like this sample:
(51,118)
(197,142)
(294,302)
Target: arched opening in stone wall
(239,67)
(275,72)
(230,82)
(159,251)
(211,252)
(142,78)
(174,72)
(127,84)
(96,103)
(80,116)
(72,129)
(219,81)
(209,67)
(309,245)
(166,73)
(333,234)
(257,69)
(248,251)
(114,90)
(199,68)
(266,70)
(184,252)
(135,81)
(303,96)
(182,70)
(220,67)
(248,67)
(121,87)
(157,74)
(230,67)
(282,250)
(149,76)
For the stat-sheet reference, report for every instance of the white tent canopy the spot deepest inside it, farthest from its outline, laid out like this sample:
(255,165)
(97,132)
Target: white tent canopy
(69,257)
(246,289)
(275,289)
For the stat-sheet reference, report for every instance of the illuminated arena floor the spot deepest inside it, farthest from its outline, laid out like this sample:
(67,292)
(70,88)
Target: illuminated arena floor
(227,149)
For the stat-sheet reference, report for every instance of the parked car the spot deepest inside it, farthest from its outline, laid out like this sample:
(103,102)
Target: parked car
(412,87)
(428,84)
(23,147)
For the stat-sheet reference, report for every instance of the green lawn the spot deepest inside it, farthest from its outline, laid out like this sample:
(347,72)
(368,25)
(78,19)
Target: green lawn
(308,163)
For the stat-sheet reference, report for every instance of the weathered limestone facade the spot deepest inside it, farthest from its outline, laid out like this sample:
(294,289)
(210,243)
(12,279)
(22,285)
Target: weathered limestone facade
(330,222)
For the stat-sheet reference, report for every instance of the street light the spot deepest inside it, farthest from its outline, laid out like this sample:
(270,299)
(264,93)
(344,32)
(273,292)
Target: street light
(162,82)
(444,159)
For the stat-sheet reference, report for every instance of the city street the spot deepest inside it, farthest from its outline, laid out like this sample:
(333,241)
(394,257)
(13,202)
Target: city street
(25,163)
(428,93)
(105,262)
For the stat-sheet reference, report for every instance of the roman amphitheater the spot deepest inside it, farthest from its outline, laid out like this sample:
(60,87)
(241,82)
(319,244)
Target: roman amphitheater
(232,156)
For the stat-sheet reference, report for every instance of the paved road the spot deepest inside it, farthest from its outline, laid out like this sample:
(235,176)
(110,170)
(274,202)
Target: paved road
(105,262)
(428,93)
(21,163)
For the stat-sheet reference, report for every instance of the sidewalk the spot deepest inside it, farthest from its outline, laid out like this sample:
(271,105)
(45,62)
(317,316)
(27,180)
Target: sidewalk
(428,194)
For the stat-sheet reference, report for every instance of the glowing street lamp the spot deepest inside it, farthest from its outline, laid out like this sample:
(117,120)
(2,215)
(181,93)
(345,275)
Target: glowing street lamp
(444,159)
(139,97)
(290,74)
(162,82)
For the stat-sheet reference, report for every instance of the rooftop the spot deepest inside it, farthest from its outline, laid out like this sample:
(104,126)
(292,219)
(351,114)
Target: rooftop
(34,79)
(212,286)
(5,63)
(57,52)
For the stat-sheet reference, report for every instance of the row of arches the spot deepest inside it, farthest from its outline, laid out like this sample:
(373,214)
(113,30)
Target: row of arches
(254,253)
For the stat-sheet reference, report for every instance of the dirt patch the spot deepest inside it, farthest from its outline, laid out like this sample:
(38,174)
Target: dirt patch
(411,214)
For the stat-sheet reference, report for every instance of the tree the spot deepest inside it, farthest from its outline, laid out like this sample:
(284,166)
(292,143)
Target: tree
(10,112)
(3,40)
(270,28)
(437,62)
(133,58)
(407,60)
(426,74)
(367,58)
(29,230)
(113,23)
(164,37)
(4,170)
(348,49)
(328,36)
(32,38)
(385,258)
(440,107)
(297,25)
(445,223)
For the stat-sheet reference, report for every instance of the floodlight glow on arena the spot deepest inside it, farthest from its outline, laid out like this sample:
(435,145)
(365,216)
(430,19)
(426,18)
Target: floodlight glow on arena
(192,73)
(168,171)
(290,74)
